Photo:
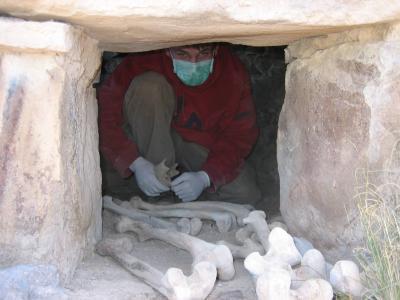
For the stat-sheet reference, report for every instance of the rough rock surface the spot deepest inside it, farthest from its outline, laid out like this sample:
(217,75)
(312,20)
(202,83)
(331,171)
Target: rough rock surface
(33,282)
(137,25)
(341,113)
(50,193)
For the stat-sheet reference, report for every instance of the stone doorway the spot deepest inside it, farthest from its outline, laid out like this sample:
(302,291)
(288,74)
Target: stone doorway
(266,66)
(340,113)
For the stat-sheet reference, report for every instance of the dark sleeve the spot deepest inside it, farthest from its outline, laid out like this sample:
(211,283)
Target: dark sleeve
(238,134)
(114,144)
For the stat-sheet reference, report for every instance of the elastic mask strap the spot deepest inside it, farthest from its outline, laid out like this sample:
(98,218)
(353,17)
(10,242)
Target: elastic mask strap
(173,60)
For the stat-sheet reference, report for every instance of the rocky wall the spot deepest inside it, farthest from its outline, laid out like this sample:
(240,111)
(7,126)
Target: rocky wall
(340,114)
(50,180)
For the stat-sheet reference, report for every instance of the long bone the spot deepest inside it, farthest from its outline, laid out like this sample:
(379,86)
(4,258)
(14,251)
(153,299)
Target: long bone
(140,216)
(242,251)
(173,284)
(222,219)
(257,223)
(200,250)
(239,210)
(244,233)
(195,224)
(277,243)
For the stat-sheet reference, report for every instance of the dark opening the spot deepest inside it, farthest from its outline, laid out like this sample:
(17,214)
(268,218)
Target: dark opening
(267,68)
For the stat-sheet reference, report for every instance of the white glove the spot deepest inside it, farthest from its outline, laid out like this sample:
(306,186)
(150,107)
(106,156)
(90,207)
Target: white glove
(189,185)
(146,178)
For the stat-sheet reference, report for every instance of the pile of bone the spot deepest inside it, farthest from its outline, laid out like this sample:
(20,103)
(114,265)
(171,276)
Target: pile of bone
(290,268)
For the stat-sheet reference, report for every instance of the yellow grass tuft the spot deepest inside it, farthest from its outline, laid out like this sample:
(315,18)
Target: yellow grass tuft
(378,201)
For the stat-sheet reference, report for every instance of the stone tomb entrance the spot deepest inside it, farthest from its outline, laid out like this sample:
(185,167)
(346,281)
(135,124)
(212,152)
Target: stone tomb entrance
(266,66)
(340,114)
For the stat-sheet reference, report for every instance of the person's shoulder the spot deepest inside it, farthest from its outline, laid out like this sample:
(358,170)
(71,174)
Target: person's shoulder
(232,60)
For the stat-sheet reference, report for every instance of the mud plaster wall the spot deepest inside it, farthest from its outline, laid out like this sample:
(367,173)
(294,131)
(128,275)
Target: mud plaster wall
(50,200)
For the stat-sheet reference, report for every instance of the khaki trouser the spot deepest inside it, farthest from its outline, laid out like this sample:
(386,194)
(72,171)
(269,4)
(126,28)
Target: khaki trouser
(148,110)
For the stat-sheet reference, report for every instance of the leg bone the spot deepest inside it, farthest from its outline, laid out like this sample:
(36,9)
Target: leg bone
(140,216)
(222,219)
(256,221)
(174,284)
(219,255)
(240,211)
(249,246)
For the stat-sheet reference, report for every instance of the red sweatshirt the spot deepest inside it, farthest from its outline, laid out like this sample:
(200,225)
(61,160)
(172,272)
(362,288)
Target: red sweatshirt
(219,114)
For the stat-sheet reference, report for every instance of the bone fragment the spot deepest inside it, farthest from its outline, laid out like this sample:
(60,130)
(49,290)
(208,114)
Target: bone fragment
(282,253)
(345,278)
(313,266)
(249,246)
(244,233)
(313,289)
(240,211)
(174,284)
(140,216)
(192,226)
(164,173)
(218,255)
(223,220)
(195,226)
(278,224)
(273,280)
(258,224)
(281,245)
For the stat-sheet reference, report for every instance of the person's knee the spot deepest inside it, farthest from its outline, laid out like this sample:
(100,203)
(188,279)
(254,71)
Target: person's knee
(150,90)
(151,79)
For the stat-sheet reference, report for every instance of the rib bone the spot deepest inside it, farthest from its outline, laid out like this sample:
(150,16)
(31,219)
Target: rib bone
(141,216)
(174,284)
(219,255)
(240,211)
(222,219)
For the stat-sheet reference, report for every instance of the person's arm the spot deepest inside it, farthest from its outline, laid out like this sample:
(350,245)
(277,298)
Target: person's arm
(114,144)
(238,134)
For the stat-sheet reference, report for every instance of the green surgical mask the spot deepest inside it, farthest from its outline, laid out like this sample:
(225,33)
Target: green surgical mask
(193,74)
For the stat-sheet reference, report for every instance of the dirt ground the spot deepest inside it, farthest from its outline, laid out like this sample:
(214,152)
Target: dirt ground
(101,278)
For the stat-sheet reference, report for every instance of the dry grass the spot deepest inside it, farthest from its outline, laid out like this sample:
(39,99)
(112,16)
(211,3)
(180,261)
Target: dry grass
(379,205)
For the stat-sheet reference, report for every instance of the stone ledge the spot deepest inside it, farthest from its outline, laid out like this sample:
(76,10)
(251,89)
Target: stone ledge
(307,47)
(26,36)
(139,25)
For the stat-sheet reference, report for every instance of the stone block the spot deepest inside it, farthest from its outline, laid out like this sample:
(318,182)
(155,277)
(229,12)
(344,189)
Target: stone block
(341,114)
(50,180)
(138,25)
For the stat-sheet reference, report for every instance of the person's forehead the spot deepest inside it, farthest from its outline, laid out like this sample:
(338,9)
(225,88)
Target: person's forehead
(191,48)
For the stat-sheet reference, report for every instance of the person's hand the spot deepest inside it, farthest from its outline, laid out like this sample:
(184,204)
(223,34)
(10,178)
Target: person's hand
(146,178)
(189,185)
